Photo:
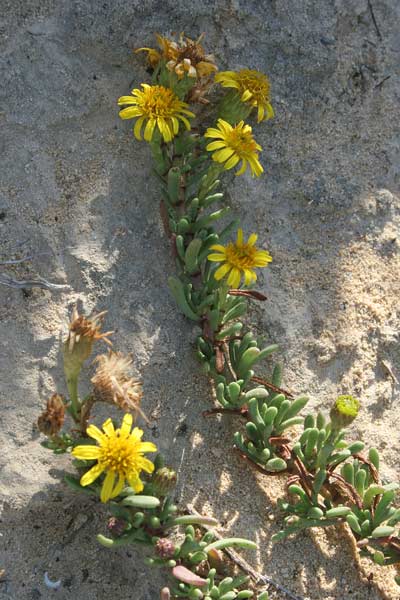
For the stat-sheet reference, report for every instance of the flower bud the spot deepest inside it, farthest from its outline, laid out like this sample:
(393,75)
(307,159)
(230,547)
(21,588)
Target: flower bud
(116,526)
(52,419)
(165,548)
(163,481)
(344,411)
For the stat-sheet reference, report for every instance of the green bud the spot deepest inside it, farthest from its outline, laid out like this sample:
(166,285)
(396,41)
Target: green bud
(163,481)
(344,411)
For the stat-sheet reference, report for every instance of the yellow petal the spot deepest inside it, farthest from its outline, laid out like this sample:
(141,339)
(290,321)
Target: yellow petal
(239,239)
(248,276)
(260,113)
(215,145)
(232,162)
(218,247)
(129,113)
(175,124)
(222,271)
(146,465)
(126,425)
(252,239)
(212,132)
(234,278)
(135,483)
(225,126)
(87,452)
(126,100)
(270,111)
(242,168)
(95,433)
(216,257)
(149,129)
(108,427)
(136,434)
(223,155)
(137,128)
(107,487)
(119,487)
(185,121)
(92,475)
(147,447)
(246,96)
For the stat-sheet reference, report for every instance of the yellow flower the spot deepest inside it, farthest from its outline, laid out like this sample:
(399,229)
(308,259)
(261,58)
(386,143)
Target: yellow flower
(253,87)
(234,144)
(120,452)
(239,258)
(157,105)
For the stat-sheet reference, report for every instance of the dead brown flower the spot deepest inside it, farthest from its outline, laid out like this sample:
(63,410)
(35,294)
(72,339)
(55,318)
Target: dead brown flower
(86,327)
(52,419)
(113,383)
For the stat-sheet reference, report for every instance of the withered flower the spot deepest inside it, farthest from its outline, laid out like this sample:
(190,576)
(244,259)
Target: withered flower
(83,332)
(114,384)
(51,420)
(183,57)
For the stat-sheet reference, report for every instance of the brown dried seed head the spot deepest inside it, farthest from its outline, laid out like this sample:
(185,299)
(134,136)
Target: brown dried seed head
(83,332)
(86,327)
(52,419)
(113,383)
(165,548)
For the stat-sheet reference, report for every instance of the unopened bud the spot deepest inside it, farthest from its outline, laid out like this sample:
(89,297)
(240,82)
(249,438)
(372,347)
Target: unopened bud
(164,481)
(344,411)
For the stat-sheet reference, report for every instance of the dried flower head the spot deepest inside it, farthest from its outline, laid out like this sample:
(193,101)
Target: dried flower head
(119,453)
(159,107)
(52,419)
(253,88)
(239,258)
(233,144)
(88,328)
(183,57)
(114,384)
(83,332)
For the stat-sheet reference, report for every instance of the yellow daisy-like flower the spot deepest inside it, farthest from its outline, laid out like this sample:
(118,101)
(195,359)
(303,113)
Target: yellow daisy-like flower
(119,453)
(239,258)
(157,105)
(253,87)
(234,144)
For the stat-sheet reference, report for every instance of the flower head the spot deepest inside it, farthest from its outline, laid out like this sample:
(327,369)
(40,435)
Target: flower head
(239,258)
(183,57)
(83,332)
(344,411)
(234,144)
(253,88)
(52,419)
(119,454)
(113,383)
(157,105)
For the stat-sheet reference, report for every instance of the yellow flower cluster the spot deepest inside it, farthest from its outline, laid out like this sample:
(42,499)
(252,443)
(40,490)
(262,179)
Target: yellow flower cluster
(119,454)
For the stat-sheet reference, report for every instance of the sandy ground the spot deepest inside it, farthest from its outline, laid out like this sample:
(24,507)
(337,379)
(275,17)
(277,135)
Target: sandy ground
(76,192)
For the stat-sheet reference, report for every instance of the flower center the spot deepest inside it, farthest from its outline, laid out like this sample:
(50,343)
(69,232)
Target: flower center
(158,102)
(241,256)
(242,143)
(255,82)
(118,454)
